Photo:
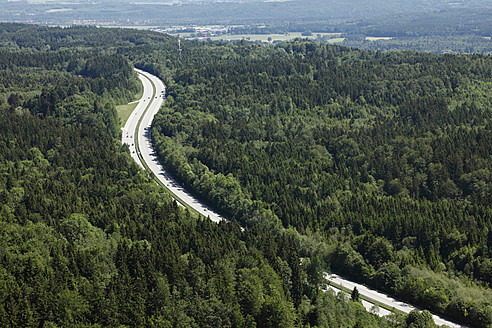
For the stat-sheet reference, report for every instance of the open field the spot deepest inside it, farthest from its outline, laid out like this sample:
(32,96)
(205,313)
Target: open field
(58,10)
(375,38)
(335,40)
(274,37)
(136,27)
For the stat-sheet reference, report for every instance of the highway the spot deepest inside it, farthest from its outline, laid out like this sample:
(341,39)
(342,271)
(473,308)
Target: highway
(384,299)
(370,307)
(138,130)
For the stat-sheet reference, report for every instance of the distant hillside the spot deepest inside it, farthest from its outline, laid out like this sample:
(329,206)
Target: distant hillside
(164,12)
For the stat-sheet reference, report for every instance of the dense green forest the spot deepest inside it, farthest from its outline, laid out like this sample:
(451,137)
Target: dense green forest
(385,155)
(87,240)
(374,164)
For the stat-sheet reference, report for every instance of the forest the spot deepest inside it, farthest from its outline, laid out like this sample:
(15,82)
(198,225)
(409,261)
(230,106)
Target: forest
(384,155)
(374,165)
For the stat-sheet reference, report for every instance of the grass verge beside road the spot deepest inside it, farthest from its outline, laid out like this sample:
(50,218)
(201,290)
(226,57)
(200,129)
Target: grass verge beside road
(124,112)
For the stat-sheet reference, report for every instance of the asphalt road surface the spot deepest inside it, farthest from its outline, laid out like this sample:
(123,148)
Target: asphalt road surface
(370,307)
(139,124)
(385,299)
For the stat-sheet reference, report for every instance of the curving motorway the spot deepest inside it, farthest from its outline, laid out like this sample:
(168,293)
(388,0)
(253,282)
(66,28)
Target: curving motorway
(137,135)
